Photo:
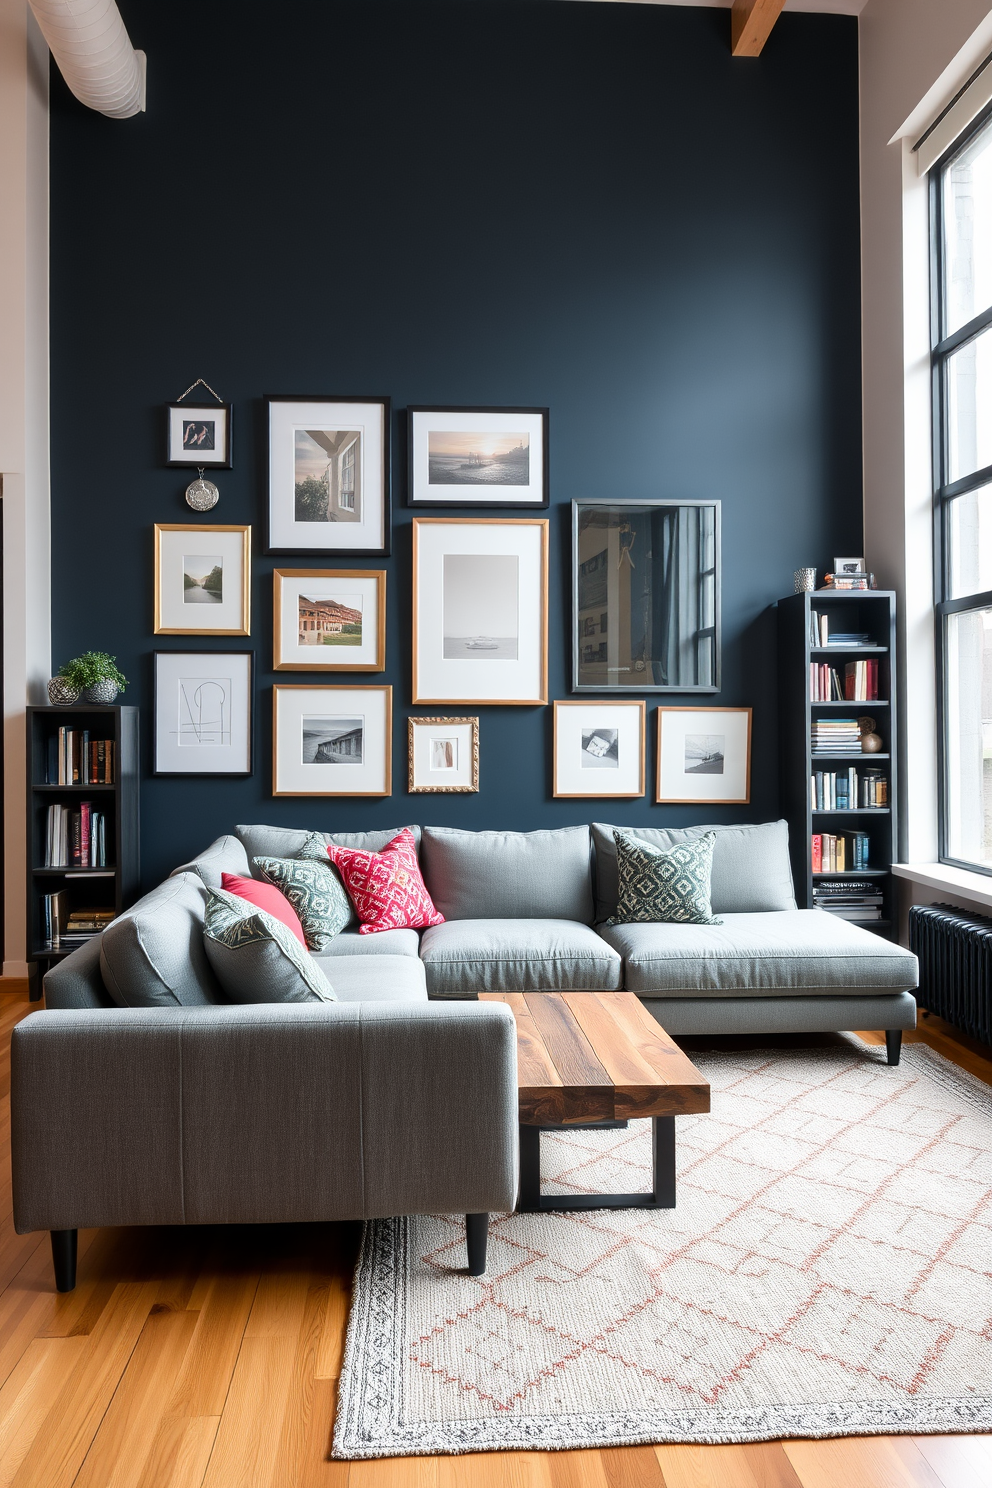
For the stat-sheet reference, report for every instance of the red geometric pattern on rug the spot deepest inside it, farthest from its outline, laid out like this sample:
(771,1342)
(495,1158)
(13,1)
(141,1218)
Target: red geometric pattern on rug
(387,887)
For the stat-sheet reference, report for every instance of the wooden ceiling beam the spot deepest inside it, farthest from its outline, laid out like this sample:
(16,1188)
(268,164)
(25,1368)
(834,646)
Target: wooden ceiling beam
(751,22)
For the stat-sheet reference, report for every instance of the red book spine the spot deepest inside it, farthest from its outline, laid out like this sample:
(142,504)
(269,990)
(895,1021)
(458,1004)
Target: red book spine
(85,811)
(817,852)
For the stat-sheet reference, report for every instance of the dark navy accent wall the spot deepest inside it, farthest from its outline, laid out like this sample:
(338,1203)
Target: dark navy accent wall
(587,206)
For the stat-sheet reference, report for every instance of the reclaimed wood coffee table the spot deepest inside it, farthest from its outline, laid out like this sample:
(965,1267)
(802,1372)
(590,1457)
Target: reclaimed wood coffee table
(597,1059)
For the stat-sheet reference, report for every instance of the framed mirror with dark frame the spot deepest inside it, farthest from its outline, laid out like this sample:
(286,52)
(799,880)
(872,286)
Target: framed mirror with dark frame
(645,596)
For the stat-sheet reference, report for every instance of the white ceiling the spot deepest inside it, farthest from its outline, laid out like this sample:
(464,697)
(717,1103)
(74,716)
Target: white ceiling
(828,7)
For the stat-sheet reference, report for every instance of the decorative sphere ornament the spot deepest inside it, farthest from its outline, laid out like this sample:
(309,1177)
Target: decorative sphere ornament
(62,692)
(871,743)
(202,494)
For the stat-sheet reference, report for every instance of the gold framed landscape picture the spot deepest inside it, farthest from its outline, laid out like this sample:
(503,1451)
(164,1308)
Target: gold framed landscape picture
(480,610)
(331,741)
(329,620)
(704,756)
(202,579)
(443,754)
(599,748)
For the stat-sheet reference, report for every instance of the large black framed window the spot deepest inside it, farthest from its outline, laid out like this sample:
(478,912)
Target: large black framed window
(961,258)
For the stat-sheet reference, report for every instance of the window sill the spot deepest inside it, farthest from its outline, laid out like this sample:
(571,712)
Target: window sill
(959,881)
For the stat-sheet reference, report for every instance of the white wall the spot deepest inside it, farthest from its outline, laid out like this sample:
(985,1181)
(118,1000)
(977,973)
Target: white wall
(915,54)
(24,468)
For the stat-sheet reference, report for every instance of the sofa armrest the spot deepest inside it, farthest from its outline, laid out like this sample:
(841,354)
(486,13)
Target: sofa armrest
(76,982)
(262,1114)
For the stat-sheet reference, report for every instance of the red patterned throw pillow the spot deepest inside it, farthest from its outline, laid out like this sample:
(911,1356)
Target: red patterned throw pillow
(386,887)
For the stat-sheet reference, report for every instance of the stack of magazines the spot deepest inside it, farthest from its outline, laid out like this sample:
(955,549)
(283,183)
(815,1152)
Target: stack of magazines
(836,736)
(849,899)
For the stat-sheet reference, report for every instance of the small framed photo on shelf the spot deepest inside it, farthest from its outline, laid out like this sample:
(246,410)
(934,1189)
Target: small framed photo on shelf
(328,475)
(202,579)
(704,756)
(199,434)
(483,457)
(443,754)
(203,712)
(480,610)
(331,741)
(852,566)
(599,748)
(329,620)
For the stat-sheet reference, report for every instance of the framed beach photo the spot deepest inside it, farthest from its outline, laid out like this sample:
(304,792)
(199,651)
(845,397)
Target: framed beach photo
(202,579)
(704,756)
(329,620)
(599,748)
(331,741)
(484,457)
(443,754)
(199,434)
(203,712)
(328,475)
(480,610)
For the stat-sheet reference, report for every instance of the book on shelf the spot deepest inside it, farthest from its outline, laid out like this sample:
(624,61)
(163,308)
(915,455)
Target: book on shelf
(848,581)
(66,931)
(846,790)
(75,838)
(835,736)
(849,899)
(820,633)
(839,852)
(76,759)
(861,681)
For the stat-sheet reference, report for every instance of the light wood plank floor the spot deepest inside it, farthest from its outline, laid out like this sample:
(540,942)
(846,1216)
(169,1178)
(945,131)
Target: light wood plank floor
(210,1357)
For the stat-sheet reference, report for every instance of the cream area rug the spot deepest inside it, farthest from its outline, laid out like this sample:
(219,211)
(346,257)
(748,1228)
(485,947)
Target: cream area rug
(826,1272)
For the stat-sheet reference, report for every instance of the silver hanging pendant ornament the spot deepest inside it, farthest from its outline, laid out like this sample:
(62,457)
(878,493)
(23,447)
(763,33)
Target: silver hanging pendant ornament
(202,494)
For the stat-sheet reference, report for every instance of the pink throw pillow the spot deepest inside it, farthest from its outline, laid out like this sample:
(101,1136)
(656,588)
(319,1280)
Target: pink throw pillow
(265,896)
(386,888)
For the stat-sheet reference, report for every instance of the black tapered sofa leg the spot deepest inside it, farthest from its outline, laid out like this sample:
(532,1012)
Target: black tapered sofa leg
(476,1236)
(64,1259)
(893,1044)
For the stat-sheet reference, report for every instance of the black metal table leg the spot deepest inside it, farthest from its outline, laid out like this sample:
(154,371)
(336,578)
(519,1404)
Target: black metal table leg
(662,1195)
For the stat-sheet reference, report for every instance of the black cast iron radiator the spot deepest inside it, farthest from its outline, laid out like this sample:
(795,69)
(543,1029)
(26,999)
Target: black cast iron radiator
(955,951)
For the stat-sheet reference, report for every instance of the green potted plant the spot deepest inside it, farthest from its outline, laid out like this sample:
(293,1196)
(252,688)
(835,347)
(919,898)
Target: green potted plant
(94,674)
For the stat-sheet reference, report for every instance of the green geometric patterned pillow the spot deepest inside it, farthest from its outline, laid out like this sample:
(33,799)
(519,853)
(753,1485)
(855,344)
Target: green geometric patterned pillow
(315,893)
(670,887)
(256,957)
(315,850)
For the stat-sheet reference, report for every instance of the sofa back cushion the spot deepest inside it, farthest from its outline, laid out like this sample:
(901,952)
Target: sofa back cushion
(751,869)
(509,875)
(289,842)
(152,955)
(226,855)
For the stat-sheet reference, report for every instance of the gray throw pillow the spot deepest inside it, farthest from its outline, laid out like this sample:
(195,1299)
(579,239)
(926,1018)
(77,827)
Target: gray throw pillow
(314,850)
(315,893)
(256,957)
(664,887)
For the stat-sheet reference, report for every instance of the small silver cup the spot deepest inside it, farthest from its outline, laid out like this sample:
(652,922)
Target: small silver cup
(804,579)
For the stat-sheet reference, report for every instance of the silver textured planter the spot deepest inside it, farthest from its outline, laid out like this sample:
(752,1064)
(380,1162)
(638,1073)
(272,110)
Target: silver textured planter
(62,692)
(104,691)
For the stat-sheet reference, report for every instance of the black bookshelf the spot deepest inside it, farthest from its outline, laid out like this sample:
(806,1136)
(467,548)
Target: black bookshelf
(858,610)
(114,886)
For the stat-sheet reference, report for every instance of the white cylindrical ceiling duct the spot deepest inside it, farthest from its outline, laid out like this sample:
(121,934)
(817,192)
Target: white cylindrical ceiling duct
(94,54)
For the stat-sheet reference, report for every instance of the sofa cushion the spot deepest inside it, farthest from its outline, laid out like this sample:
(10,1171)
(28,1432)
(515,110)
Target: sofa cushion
(315,893)
(375,978)
(664,887)
(386,888)
(509,875)
(257,958)
(385,943)
(465,957)
(152,955)
(315,850)
(751,869)
(289,842)
(225,855)
(264,896)
(774,954)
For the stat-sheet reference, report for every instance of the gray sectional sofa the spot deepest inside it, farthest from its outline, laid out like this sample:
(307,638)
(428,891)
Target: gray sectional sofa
(141,1096)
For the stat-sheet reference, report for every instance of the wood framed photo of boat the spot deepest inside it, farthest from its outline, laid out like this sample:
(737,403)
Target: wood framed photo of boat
(203,712)
(645,596)
(329,620)
(704,756)
(599,748)
(202,579)
(331,741)
(481,457)
(443,755)
(199,435)
(480,610)
(328,464)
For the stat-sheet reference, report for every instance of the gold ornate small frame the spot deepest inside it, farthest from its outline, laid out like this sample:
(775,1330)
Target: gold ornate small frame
(469,769)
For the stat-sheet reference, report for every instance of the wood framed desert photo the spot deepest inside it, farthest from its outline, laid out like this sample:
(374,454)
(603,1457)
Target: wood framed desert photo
(599,748)
(203,712)
(331,741)
(480,610)
(704,756)
(202,579)
(443,754)
(328,475)
(199,435)
(329,620)
(485,457)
